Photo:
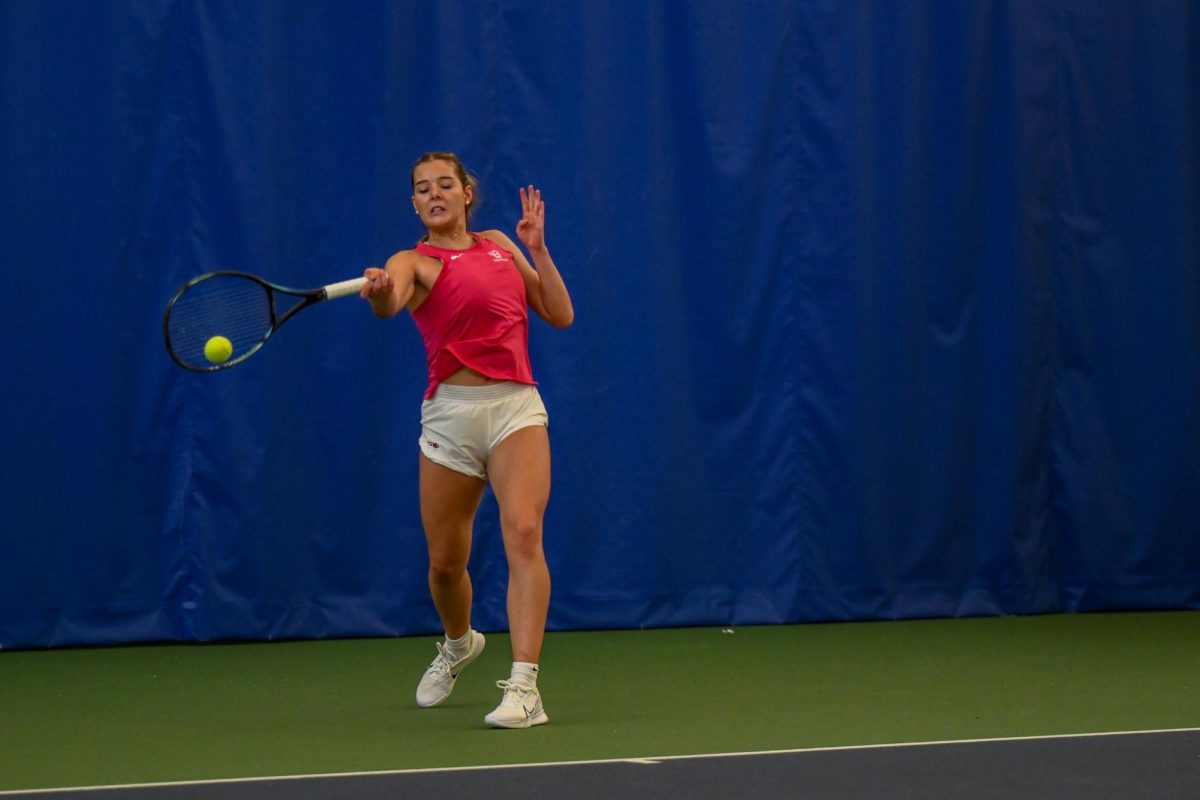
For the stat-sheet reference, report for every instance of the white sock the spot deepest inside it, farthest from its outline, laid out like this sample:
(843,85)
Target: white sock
(460,646)
(525,674)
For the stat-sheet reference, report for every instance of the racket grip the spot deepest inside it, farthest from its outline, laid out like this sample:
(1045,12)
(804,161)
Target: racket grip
(335,290)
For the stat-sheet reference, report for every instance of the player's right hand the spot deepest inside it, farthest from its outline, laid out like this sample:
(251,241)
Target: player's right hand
(379,284)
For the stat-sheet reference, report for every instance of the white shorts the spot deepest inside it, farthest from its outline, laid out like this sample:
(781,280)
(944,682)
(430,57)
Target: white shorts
(461,425)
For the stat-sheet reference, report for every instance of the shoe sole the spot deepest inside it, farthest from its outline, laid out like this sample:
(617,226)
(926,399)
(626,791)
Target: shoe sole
(539,718)
(461,666)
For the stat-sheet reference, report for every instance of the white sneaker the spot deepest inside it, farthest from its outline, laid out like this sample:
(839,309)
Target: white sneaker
(438,680)
(520,707)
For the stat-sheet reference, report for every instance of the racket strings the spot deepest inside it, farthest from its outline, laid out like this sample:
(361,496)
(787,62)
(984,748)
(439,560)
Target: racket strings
(232,306)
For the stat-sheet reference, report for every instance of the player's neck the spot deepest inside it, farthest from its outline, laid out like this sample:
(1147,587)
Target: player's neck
(457,240)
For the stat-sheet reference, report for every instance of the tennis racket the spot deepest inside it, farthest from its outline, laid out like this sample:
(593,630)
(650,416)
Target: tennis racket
(219,319)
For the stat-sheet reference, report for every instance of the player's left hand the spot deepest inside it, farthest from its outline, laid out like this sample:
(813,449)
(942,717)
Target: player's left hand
(531,230)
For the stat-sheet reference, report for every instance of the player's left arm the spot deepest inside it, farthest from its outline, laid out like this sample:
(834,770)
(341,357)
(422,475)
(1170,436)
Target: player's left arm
(544,287)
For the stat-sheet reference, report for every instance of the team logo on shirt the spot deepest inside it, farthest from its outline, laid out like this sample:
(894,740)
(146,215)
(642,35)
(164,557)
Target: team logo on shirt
(496,255)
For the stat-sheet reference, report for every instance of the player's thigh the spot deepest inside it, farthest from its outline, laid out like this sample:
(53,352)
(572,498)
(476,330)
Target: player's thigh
(519,469)
(449,500)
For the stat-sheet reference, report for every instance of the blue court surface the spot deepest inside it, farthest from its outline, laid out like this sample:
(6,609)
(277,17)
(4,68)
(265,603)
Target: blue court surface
(1147,765)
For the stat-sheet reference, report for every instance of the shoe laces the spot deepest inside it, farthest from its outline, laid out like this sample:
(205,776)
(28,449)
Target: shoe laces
(514,693)
(439,668)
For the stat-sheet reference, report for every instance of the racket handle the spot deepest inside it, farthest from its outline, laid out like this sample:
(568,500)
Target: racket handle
(335,290)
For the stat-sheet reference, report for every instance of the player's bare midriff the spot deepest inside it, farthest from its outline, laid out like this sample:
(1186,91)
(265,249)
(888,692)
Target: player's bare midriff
(465,376)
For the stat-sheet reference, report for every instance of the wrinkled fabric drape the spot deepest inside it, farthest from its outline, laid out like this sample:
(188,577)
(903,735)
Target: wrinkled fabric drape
(884,310)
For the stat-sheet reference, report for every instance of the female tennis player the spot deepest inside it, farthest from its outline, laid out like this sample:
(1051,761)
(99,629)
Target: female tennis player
(482,418)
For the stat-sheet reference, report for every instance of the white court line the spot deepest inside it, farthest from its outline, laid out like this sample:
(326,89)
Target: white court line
(645,760)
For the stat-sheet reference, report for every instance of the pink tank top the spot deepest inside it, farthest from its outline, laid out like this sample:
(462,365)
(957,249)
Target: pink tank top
(475,315)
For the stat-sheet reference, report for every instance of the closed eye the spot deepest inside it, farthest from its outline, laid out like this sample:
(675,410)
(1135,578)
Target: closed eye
(422,187)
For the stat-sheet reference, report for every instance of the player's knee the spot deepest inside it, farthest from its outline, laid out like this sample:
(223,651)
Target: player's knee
(445,572)
(523,538)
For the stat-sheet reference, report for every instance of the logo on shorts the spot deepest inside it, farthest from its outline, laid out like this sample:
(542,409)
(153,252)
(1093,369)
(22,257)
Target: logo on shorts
(434,445)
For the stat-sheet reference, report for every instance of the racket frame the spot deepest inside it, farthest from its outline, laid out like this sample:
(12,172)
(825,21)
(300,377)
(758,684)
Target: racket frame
(309,297)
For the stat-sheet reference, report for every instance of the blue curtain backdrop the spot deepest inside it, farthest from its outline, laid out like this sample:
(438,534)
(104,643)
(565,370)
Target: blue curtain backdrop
(884,310)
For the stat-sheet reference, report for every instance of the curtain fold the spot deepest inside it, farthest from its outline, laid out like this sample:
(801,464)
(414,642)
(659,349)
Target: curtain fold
(883,310)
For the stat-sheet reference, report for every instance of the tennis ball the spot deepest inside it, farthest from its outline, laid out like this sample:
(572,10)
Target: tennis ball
(217,349)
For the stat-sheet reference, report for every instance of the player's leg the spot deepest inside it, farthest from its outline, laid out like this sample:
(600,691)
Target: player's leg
(519,470)
(449,500)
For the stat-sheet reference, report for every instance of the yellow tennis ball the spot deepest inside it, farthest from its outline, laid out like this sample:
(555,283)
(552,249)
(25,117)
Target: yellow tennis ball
(217,349)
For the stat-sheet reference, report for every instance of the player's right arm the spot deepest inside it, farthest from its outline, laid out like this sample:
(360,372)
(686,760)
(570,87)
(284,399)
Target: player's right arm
(389,289)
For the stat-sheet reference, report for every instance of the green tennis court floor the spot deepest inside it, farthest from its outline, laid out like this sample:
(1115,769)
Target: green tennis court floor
(109,716)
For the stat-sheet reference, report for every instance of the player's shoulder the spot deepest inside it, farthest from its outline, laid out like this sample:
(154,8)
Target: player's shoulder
(500,238)
(412,254)
(405,259)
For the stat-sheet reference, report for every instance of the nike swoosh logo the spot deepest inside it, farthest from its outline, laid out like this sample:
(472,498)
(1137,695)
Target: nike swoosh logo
(455,258)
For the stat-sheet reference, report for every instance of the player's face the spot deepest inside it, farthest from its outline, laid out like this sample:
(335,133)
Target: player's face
(438,195)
